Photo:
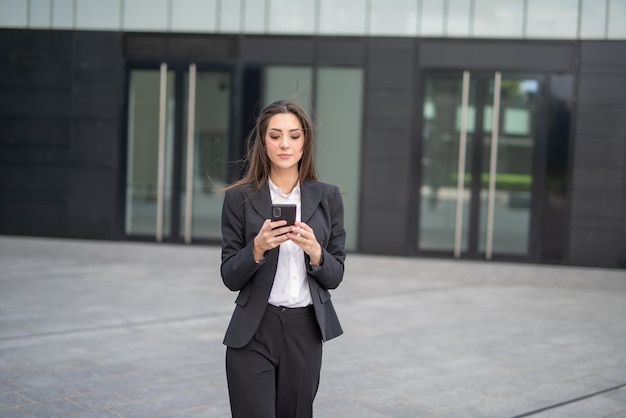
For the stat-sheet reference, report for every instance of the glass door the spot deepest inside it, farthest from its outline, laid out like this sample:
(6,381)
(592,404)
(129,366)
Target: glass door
(178,136)
(477,164)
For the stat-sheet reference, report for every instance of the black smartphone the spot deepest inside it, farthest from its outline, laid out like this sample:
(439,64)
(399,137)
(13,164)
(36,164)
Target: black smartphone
(286,212)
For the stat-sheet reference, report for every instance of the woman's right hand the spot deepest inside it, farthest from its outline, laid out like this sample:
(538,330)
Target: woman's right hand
(270,236)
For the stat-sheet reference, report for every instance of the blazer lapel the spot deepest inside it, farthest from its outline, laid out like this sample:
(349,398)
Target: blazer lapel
(310,196)
(261,201)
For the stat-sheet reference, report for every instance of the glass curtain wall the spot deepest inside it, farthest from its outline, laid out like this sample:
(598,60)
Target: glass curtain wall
(338,95)
(142,188)
(209,156)
(491,203)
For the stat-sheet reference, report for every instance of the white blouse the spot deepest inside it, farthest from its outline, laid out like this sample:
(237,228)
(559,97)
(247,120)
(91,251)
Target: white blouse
(290,288)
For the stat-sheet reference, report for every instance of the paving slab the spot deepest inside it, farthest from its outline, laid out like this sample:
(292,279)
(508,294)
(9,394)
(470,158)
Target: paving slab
(127,329)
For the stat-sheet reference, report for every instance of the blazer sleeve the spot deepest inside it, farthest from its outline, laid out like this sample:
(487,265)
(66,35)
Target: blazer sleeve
(329,273)
(238,264)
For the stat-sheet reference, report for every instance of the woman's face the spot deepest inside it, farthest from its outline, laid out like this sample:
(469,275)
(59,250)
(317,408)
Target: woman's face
(284,141)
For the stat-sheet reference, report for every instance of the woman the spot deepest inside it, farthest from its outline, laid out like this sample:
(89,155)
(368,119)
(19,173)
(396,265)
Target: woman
(283,311)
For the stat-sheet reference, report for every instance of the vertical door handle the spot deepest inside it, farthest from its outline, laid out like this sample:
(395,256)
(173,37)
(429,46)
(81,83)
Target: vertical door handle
(495,126)
(460,184)
(161,155)
(191,131)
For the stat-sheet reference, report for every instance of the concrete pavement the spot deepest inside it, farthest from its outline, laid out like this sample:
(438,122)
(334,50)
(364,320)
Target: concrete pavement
(108,329)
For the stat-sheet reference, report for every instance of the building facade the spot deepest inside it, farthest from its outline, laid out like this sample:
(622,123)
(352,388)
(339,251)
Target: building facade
(476,129)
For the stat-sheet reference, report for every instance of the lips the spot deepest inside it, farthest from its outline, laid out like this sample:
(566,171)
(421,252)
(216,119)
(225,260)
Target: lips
(284,156)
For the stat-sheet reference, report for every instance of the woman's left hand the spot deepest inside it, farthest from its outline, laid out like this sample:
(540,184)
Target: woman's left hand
(303,236)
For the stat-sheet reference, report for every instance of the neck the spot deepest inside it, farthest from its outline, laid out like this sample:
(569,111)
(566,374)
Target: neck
(285,180)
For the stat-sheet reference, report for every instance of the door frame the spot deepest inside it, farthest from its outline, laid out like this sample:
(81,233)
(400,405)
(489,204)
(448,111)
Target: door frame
(474,160)
(179,67)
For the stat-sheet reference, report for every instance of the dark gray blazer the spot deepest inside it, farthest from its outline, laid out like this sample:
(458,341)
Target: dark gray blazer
(243,214)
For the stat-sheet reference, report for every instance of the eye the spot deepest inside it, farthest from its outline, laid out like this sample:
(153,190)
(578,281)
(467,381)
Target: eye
(295,136)
(274,136)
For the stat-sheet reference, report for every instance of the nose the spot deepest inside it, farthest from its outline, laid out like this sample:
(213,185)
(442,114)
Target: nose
(284,142)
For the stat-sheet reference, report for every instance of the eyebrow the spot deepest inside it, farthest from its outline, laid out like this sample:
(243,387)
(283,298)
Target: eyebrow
(280,130)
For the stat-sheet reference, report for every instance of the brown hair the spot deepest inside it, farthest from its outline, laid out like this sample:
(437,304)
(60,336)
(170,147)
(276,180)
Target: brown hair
(256,159)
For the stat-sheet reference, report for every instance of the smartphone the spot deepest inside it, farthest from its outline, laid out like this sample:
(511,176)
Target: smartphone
(286,212)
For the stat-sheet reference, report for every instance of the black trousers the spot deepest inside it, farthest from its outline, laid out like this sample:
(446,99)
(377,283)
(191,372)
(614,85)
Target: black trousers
(276,375)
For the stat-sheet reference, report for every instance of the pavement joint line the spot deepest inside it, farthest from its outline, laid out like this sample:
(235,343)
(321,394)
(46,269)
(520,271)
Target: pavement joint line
(124,325)
(571,401)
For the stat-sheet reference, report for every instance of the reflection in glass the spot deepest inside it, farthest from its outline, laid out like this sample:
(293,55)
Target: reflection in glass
(291,16)
(254,16)
(553,19)
(432,18)
(617,20)
(98,14)
(13,14)
(293,83)
(136,18)
(393,17)
(498,18)
(338,146)
(39,14)
(342,17)
(210,153)
(62,14)
(143,149)
(513,170)
(230,16)
(593,19)
(193,15)
(458,19)
(440,157)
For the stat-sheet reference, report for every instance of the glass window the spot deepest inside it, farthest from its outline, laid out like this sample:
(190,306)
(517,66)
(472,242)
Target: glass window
(39,14)
(293,83)
(137,17)
(13,13)
(554,19)
(292,16)
(194,15)
(458,23)
(97,14)
(393,17)
(63,14)
(432,17)
(254,16)
(342,17)
(617,20)
(210,153)
(592,19)
(498,18)
(142,185)
(230,16)
(338,147)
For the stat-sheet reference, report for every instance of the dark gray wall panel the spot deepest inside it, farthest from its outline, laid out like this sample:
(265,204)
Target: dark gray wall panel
(501,55)
(277,50)
(96,143)
(594,247)
(59,123)
(594,152)
(90,212)
(31,215)
(600,178)
(340,51)
(599,172)
(595,204)
(382,227)
(34,130)
(387,144)
(603,122)
(602,90)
